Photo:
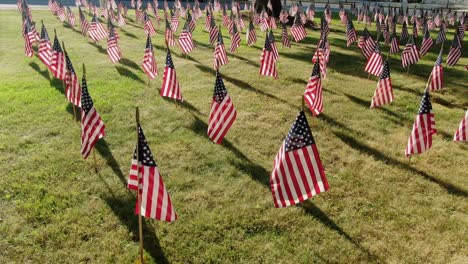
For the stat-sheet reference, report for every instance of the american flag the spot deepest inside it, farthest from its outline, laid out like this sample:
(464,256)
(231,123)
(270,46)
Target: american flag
(83,22)
(169,35)
(71,17)
(298,173)
(72,84)
(251,34)
(404,32)
(96,30)
(374,64)
(235,39)
(220,56)
(191,22)
(437,74)
(410,54)
(461,30)
(207,21)
(28,50)
(113,49)
(144,176)
(366,43)
(213,31)
(174,21)
(383,92)
(148,26)
(222,113)
(394,46)
(462,133)
(170,86)
(313,93)
(267,60)
(45,48)
(149,63)
(420,139)
(185,39)
(29,38)
(92,127)
(427,41)
(120,19)
(231,23)
(54,7)
(264,25)
(225,17)
(139,16)
(271,39)
(415,30)
(57,64)
(285,36)
(441,37)
(61,13)
(455,51)
(350,33)
(297,29)
(321,55)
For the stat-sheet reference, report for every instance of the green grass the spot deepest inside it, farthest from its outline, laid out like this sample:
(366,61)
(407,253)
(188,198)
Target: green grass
(55,209)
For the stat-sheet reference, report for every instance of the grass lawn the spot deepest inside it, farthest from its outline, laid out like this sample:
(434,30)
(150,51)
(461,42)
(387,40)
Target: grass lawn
(55,209)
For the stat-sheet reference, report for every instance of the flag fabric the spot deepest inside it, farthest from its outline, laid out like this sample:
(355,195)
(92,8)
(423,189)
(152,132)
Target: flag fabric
(251,34)
(92,127)
(185,39)
(169,35)
(394,46)
(374,64)
(384,92)
(148,26)
(437,74)
(29,39)
(222,113)
(366,43)
(28,50)
(441,36)
(113,49)
(83,23)
(455,51)
(58,65)
(235,39)
(410,54)
(404,32)
(297,29)
(149,63)
(350,32)
(427,42)
(462,133)
(298,173)
(61,13)
(267,60)
(420,139)
(45,47)
(174,21)
(321,55)
(313,93)
(71,17)
(72,84)
(213,30)
(170,86)
(271,39)
(415,30)
(285,37)
(144,176)
(220,56)
(96,30)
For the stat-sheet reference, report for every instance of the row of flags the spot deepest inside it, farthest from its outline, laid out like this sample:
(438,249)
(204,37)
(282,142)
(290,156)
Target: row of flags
(298,173)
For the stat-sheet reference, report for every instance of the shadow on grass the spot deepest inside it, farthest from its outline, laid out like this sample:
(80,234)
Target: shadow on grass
(353,143)
(130,64)
(250,62)
(128,34)
(203,44)
(74,111)
(125,72)
(98,47)
(185,56)
(184,104)
(37,68)
(72,28)
(104,151)
(124,210)
(443,102)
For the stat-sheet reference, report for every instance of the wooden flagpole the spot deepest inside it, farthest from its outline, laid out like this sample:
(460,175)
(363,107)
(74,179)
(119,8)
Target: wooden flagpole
(140,220)
(63,83)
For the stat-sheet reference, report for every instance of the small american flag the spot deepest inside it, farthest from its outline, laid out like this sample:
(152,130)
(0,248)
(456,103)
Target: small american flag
(455,51)
(149,63)
(169,35)
(92,127)
(251,34)
(374,64)
(437,74)
(28,37)
(208,21)
(384,92)
(285,36)
(225,17)
(57,64)
(220,56)
(61,13)
(313,93)
(83,22)
(297,30)
(441,37)
(54,6)
(427,41)
(148,26)
(45,48)
(213,32)
(267,60)
(71,17)
(410,54)
(415,30)
(235,39)
(144,176)
(174,21)
(366,43)
(120,19)
(404,32)
(271,39)
(96,30)
(394,46)
(222,113)
(113,49)
(420,139)
(231,23)
(170,86)
(462,133)
(321,55)
(298,173)
(350,32)
(191,22)
(185,39)
(72,84)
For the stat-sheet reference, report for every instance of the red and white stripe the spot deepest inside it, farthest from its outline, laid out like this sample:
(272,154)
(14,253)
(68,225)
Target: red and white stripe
(437,78)
(149,28)
(425,45)
(45,51)
(235,41)
(170,86)
(113,49)
(251,37)
(58,65)
(374,64)
(220,56)
(28,50)
(313,95)
(186,41)
(462,133)
(298,32)
(92,129)
(420,139)
(97,31)
(73,89)
(268,64)
(410,55)
(169,36)
(222,116)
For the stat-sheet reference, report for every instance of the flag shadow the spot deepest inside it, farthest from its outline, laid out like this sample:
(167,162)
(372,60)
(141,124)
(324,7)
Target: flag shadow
(71,111)
(99,48)
(361,147)
(183,104)
(123,208)
(128,34)
(43,73)
(72,28)
(130,64)
(125,72)
(104,151)
(250,62)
